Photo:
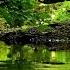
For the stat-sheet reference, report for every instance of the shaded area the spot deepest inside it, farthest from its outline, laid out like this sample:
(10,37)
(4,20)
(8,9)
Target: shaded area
(57,38)
(51,1)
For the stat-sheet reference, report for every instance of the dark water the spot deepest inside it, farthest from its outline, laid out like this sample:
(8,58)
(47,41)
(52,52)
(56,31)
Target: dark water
(17,66)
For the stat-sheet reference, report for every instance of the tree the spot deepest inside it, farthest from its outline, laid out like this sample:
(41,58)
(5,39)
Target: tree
(16,11)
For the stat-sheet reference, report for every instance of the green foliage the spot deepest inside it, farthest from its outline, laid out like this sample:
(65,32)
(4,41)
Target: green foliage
(2,24)
(4,50)
(42,54)
(15,12)
(62,13)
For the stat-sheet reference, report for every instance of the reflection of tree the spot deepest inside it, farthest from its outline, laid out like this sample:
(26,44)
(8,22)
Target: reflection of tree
(19,61)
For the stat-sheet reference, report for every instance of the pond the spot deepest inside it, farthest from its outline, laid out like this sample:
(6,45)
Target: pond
(59,56)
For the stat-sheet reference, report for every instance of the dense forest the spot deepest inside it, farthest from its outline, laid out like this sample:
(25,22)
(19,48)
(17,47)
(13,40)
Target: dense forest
(26,14)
